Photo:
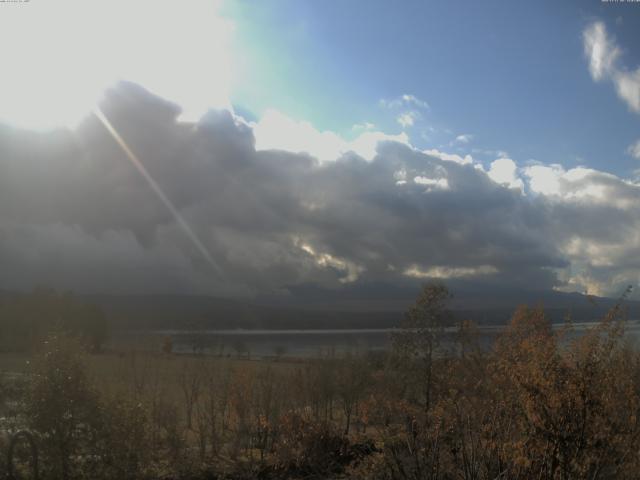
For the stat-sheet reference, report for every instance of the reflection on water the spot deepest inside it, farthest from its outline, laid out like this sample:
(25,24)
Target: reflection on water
(309,343)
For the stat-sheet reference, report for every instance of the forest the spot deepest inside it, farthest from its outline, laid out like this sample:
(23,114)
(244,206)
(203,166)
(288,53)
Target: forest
(536,404)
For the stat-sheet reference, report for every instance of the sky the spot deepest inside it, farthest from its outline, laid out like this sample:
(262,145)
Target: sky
(509,75)
(250,149)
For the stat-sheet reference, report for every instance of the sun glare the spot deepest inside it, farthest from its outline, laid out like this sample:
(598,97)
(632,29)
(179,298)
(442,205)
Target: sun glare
(60,56)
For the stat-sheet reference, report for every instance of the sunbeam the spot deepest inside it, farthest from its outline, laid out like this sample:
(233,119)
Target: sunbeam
(137,163)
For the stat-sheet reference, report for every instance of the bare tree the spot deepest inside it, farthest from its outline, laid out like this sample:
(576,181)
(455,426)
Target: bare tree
(190,383)
(352,381)
(421,333)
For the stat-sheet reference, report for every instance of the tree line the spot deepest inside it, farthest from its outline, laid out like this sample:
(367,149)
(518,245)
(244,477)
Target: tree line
(26,319)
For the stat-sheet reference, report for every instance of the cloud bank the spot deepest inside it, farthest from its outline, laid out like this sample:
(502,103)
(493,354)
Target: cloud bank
(279,214)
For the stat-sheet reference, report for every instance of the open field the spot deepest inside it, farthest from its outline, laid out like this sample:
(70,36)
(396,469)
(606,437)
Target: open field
(123,372)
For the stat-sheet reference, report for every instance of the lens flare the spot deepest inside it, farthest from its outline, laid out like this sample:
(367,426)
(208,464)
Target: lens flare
(137,163)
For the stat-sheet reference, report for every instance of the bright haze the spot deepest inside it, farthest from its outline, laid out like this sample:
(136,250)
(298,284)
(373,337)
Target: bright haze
(302,148)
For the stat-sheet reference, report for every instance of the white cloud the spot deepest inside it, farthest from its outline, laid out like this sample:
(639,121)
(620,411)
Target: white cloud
(544,179)
(366,144)
(413,100)
(579,184)
(432,183)
(408,107)
(449,157)
(634,149)
(441,272)
(604,54)
(504,171)
(404,100)
(350,270)
(407,119)
(464,138)
(276,131)
(590,258)
(628,88)
(493,153)
(601,51)
(363,126)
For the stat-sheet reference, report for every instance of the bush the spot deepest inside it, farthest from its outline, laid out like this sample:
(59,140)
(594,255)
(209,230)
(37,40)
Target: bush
(62,408)
(306,448)
(124,443)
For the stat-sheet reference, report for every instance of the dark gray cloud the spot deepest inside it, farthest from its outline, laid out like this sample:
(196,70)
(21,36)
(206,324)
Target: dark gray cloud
(74,213)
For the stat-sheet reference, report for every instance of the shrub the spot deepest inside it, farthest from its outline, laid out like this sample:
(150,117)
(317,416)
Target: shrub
(306,447)
(62,407)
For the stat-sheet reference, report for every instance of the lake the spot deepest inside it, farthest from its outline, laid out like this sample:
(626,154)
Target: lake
(310,343)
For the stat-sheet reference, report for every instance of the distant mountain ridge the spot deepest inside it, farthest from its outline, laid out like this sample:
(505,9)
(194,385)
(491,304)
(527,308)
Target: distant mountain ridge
(194,312)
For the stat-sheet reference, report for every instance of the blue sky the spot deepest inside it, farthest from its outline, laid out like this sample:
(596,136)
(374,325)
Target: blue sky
(511,74)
